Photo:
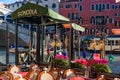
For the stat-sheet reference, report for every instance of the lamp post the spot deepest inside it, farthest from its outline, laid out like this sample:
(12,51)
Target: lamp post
(6,41)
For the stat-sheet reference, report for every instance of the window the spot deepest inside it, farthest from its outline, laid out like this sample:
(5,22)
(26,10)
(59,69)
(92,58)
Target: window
(92,20)
(116,42)
(77,16)
(76,5)
(46,5)
(54,5)
(69,15)
(72,17)
(86,31)
(80,8)
(80,21)
(61,6)
(12,5)
(8,19)
(97,8)
(22,3)
(92,7)
(107,31)
(117,23)
(92,31)
(1,15)
(116,7)
(113,6)
(17,5)
(113,20)
(100,7)
(103,6)
(108,6)
(116,14)
(36,2)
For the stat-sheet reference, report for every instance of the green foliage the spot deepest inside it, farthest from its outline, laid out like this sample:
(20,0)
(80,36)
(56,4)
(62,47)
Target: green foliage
(103,68)
(78,65)
(60,62)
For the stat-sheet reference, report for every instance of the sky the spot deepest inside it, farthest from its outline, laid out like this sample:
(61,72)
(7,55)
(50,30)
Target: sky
(12,1)
(8,1)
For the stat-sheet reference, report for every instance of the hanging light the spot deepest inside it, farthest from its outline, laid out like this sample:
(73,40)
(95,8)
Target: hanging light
(101,45)
(53,44)
(92,44)
(59,44)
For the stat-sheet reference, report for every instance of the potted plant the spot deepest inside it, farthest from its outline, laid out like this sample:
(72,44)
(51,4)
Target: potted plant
(60,60)
(79,63)
(101,68)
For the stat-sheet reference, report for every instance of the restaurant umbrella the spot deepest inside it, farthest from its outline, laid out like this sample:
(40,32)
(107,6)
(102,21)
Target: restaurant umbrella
(36,14)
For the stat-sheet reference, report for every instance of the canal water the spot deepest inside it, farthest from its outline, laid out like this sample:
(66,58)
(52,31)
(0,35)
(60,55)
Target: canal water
(115,66)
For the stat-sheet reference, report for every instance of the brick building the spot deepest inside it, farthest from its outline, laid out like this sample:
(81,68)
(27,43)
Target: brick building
(94,15)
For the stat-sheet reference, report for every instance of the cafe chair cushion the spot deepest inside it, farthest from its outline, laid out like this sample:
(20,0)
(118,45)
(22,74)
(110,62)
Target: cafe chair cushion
(21,78)
(34,66)
(6,76)
(14,69)
(44,75)
(33,74)
(56,73)
(68,73)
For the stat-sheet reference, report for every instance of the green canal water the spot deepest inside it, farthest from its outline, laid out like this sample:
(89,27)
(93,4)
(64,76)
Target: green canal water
(115,66)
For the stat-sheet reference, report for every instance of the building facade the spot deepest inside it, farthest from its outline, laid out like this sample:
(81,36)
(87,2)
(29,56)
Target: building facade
(95,15)
(53,4)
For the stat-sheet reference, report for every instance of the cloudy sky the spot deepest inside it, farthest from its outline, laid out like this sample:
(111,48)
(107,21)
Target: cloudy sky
(8,1)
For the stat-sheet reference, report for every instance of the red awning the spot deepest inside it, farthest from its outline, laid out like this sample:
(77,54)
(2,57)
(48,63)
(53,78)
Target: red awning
(116,31)
(67,25)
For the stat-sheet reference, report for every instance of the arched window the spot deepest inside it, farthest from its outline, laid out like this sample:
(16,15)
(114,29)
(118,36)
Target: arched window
(107,31)
(46,5)
(80,21)
(69,15)
(92,20)
(72,15)
(8,19)
(107,19)
(92,31)
(54,5)
(86,31)
(1,16)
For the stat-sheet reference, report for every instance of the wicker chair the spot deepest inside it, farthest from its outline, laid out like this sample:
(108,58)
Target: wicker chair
(56,73)
(35,66)
(14,69)
(7,76)
(33,74)
(68,73)
(44,75)
(21,78)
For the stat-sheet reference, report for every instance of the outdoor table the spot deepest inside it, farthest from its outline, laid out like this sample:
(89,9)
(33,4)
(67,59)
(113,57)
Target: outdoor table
(80,78)
(76,78)
(1,78)
(23,74)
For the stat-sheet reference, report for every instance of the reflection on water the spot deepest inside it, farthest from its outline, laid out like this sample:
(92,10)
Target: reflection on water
(114,66)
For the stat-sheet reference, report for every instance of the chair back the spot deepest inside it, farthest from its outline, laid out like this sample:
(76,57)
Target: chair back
(14,69)
(21,78)
(6,76)
(68,73)
(56,73)
(44,75)
(34,66)
(33,74)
